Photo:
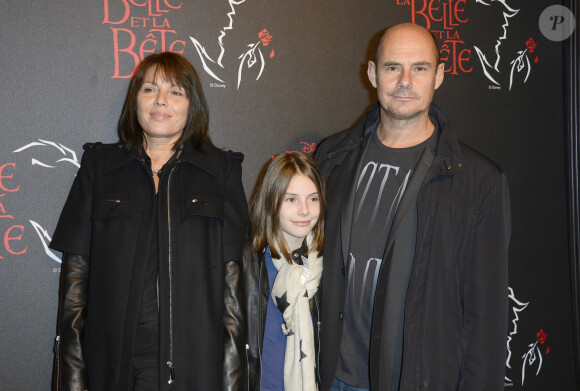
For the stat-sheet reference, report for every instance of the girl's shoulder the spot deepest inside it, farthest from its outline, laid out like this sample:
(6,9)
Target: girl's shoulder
(249,254)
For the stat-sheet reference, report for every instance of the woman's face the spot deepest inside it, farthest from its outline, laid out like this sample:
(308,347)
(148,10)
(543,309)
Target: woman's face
(299,211)
(162,109)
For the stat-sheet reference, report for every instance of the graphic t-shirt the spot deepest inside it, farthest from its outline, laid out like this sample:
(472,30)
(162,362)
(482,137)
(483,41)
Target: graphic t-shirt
(381,183)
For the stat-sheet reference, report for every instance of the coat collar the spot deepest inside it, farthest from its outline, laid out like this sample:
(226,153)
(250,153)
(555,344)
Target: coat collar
(449,159)
(207,159)
(448,156)
(355,137)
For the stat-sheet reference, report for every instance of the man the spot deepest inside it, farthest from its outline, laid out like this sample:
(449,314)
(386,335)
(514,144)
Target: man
(414,288)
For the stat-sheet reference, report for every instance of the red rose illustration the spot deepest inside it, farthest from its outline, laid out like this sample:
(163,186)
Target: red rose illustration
(531,44)
(265,37)
(542,336)
(308,147)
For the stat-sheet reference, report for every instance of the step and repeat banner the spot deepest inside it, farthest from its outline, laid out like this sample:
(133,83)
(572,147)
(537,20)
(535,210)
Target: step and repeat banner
(281,75)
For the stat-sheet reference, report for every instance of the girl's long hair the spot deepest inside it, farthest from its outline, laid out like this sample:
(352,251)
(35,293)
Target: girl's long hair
(267,198)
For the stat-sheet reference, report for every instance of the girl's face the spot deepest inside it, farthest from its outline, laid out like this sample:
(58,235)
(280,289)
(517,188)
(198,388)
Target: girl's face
(299,210)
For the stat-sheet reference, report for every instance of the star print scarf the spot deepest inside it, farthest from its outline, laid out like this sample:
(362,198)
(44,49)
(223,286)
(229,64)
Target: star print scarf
(293,287)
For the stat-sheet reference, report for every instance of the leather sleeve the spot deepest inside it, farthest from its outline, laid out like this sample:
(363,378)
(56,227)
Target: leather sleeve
(70,368)
(255,293)
(234,374)
(234,231)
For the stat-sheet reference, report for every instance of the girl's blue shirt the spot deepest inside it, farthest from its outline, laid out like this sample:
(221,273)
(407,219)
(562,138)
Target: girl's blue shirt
(274,345)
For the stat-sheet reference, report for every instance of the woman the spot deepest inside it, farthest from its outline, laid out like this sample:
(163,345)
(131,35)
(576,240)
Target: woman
(281,270)
(152,235)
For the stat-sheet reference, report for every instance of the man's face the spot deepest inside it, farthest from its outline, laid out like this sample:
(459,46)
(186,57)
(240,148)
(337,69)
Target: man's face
(406,73)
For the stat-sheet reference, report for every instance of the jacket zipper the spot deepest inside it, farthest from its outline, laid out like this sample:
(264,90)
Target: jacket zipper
(247,367)
(318,324)
(259,314)
(114,204)
(170,363)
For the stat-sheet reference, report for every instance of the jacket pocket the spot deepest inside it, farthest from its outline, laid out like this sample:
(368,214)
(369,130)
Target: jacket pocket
(105,207)
(205,206)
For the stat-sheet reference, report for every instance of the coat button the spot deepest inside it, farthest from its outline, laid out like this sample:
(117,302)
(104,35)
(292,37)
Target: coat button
(340,315)
(343,271)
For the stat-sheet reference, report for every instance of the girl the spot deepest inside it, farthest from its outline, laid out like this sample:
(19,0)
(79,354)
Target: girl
(282,270)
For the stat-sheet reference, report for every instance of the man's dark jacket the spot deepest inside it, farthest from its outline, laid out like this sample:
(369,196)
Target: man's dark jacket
(454,315)
(105,231)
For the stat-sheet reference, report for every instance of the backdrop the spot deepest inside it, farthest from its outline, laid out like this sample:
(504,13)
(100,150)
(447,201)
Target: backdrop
(281,75)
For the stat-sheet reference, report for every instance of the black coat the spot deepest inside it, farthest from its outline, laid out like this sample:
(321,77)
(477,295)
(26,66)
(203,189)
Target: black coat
(108,220)
(455,312)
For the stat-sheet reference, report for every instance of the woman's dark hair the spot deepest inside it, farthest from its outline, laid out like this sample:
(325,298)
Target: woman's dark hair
(177,70)
(267,198)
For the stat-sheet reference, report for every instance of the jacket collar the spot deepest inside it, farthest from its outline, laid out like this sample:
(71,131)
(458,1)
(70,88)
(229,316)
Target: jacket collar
(206,159)
(449,159)
(357,134)
(119,157)
(448,143)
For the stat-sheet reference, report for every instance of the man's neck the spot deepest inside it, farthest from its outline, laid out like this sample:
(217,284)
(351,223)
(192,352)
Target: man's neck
(395,133)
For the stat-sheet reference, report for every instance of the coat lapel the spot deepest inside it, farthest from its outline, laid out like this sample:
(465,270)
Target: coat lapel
(412,191)
(351,166)
(208,162)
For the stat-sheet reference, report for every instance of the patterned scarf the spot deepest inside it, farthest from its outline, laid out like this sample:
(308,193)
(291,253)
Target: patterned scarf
(294,285)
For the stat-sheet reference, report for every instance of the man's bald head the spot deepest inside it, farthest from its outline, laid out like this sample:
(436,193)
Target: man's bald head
(406,26)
